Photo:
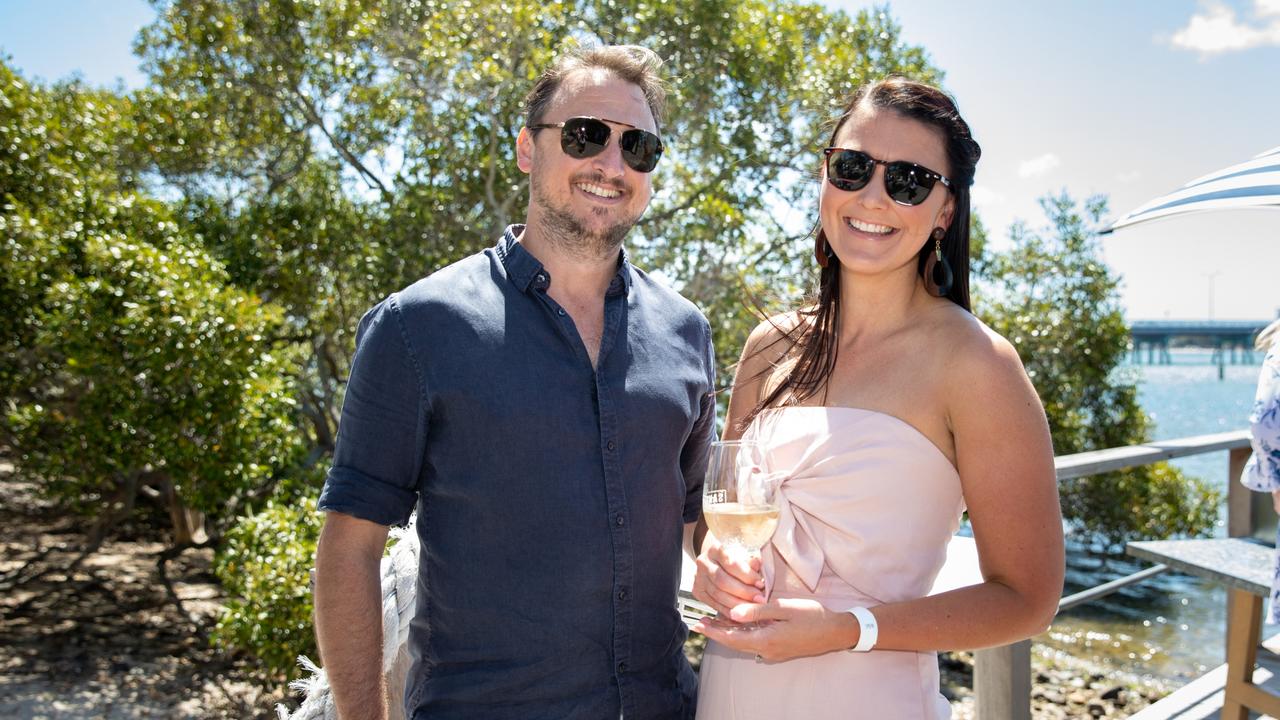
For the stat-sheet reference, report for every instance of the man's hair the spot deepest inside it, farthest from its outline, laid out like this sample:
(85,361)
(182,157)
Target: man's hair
(632,63)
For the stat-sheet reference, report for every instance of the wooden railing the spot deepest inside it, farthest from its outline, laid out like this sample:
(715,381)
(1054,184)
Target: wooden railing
(1002,676)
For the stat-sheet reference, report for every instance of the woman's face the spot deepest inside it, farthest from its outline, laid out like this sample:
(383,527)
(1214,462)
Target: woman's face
(867,230)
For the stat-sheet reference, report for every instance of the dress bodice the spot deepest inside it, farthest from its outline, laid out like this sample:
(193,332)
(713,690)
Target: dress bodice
(868,503)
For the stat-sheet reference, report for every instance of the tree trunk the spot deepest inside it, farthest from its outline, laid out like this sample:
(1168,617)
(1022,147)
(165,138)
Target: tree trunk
(188,524)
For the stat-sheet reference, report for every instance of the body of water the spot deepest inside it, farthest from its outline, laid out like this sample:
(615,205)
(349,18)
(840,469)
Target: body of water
(1171,628)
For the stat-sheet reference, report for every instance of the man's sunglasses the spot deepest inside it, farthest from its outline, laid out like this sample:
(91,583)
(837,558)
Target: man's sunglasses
(584,137)
(905,183)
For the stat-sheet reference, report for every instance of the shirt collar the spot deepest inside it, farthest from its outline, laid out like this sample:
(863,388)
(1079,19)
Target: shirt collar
(525,270)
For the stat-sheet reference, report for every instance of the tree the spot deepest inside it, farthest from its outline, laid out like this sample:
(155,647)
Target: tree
(131,365)
(1057,302)
(396,121)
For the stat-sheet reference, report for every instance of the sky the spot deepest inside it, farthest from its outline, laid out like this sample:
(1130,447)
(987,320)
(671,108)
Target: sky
(1128,98)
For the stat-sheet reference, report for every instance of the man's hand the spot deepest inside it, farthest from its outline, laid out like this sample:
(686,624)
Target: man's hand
(348,600)
(726,579)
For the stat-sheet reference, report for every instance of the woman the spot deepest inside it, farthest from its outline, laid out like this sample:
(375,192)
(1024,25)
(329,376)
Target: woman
(887,408)
(1262,472)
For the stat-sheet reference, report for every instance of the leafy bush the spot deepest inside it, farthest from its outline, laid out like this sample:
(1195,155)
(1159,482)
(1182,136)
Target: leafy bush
(264,566)
(127,356)
(1156,501)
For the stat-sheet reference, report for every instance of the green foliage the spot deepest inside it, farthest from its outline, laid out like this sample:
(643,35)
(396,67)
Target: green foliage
(1055,300)
(128,358)
(1154,502)
(302,107)
(265,565)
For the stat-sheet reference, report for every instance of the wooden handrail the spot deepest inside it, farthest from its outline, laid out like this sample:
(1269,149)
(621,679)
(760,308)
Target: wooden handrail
(1084,464)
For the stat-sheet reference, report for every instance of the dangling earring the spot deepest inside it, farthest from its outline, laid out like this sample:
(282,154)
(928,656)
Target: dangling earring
(940,273)
(822,250)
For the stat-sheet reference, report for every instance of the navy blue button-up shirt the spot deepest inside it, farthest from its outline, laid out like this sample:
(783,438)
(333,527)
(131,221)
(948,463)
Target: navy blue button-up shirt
(551,496)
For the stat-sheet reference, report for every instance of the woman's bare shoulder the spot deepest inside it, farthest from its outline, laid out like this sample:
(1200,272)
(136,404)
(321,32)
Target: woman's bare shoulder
(776,335)
(972,345)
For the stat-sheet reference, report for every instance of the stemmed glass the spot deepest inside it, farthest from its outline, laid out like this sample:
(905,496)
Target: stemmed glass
(739,499)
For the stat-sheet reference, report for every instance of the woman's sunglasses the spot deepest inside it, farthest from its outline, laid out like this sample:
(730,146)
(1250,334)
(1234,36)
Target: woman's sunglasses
(584,137)
(906,183)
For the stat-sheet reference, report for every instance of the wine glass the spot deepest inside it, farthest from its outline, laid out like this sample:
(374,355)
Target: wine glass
(739,499)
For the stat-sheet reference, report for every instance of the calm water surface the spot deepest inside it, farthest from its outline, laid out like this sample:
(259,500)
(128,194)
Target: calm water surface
(1171,628)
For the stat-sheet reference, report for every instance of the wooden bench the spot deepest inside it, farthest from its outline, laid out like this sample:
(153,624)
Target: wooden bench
(1245,567)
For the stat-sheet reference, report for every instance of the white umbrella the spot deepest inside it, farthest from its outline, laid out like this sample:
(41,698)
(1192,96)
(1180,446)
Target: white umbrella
(1251,184)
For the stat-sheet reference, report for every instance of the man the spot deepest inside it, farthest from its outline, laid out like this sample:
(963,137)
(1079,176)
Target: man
(548,408)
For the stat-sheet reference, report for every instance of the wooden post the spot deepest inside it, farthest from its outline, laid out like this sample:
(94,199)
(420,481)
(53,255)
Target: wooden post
(1240,499)
(1002,682)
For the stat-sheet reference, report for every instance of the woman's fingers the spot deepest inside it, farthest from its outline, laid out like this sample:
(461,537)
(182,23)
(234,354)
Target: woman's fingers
(742,566)
(755,639)
(708,592)
(722,583)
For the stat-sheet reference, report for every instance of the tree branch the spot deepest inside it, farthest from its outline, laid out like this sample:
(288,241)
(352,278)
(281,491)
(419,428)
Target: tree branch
(304,104)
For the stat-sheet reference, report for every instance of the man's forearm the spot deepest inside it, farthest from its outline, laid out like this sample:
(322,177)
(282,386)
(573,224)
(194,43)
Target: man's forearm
(349,629)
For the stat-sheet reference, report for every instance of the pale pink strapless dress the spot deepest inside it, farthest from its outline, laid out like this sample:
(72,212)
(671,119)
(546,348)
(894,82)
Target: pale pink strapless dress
(868,507)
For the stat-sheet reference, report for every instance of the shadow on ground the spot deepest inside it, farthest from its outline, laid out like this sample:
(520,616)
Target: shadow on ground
(105,639)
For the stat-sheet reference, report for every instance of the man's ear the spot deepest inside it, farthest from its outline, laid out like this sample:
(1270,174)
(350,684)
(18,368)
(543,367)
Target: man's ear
(525,150)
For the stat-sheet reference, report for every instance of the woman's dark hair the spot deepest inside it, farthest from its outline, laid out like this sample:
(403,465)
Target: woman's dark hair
(814,337)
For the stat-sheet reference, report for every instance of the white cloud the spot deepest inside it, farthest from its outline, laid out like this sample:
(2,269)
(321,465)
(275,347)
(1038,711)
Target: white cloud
(1216,29)
(1128,176)
(984,196)
(1038,165)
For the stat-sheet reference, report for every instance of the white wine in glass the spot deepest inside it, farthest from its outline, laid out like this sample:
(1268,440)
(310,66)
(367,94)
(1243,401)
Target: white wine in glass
(739,499)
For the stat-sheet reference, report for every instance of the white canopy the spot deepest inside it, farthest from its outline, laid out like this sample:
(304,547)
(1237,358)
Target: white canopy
(1255,183)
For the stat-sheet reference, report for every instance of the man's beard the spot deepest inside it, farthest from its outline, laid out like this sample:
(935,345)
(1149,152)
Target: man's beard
(570,234)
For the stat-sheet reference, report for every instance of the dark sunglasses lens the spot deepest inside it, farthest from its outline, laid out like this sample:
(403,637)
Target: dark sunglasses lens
(907,183)
(641,150)
(583,137)
(849,169)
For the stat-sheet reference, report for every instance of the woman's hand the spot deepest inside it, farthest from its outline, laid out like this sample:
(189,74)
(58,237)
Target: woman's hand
(727,579)
(787,628)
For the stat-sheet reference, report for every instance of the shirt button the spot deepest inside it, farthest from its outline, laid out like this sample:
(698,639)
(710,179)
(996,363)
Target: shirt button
(622,667)
(560,312)
(621,521)
(541,277)
(622,594)
(611,445)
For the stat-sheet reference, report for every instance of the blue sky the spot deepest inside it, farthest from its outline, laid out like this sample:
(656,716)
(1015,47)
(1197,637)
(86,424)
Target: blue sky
(1131,98)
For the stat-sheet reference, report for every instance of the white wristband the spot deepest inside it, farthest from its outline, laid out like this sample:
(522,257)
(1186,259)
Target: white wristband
(868,631)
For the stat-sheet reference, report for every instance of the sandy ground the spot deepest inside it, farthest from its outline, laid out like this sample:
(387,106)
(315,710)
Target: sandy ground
(105,640)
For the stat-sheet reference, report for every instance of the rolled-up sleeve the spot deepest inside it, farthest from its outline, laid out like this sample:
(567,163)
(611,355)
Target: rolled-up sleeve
(382,432)
(697,447)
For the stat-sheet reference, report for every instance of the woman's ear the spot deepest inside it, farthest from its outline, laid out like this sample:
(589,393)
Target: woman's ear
(948,212)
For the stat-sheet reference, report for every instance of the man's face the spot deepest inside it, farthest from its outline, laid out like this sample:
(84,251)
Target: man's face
(587,204)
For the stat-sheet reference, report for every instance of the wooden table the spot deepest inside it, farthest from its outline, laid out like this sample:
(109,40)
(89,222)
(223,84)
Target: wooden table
(1245,567)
